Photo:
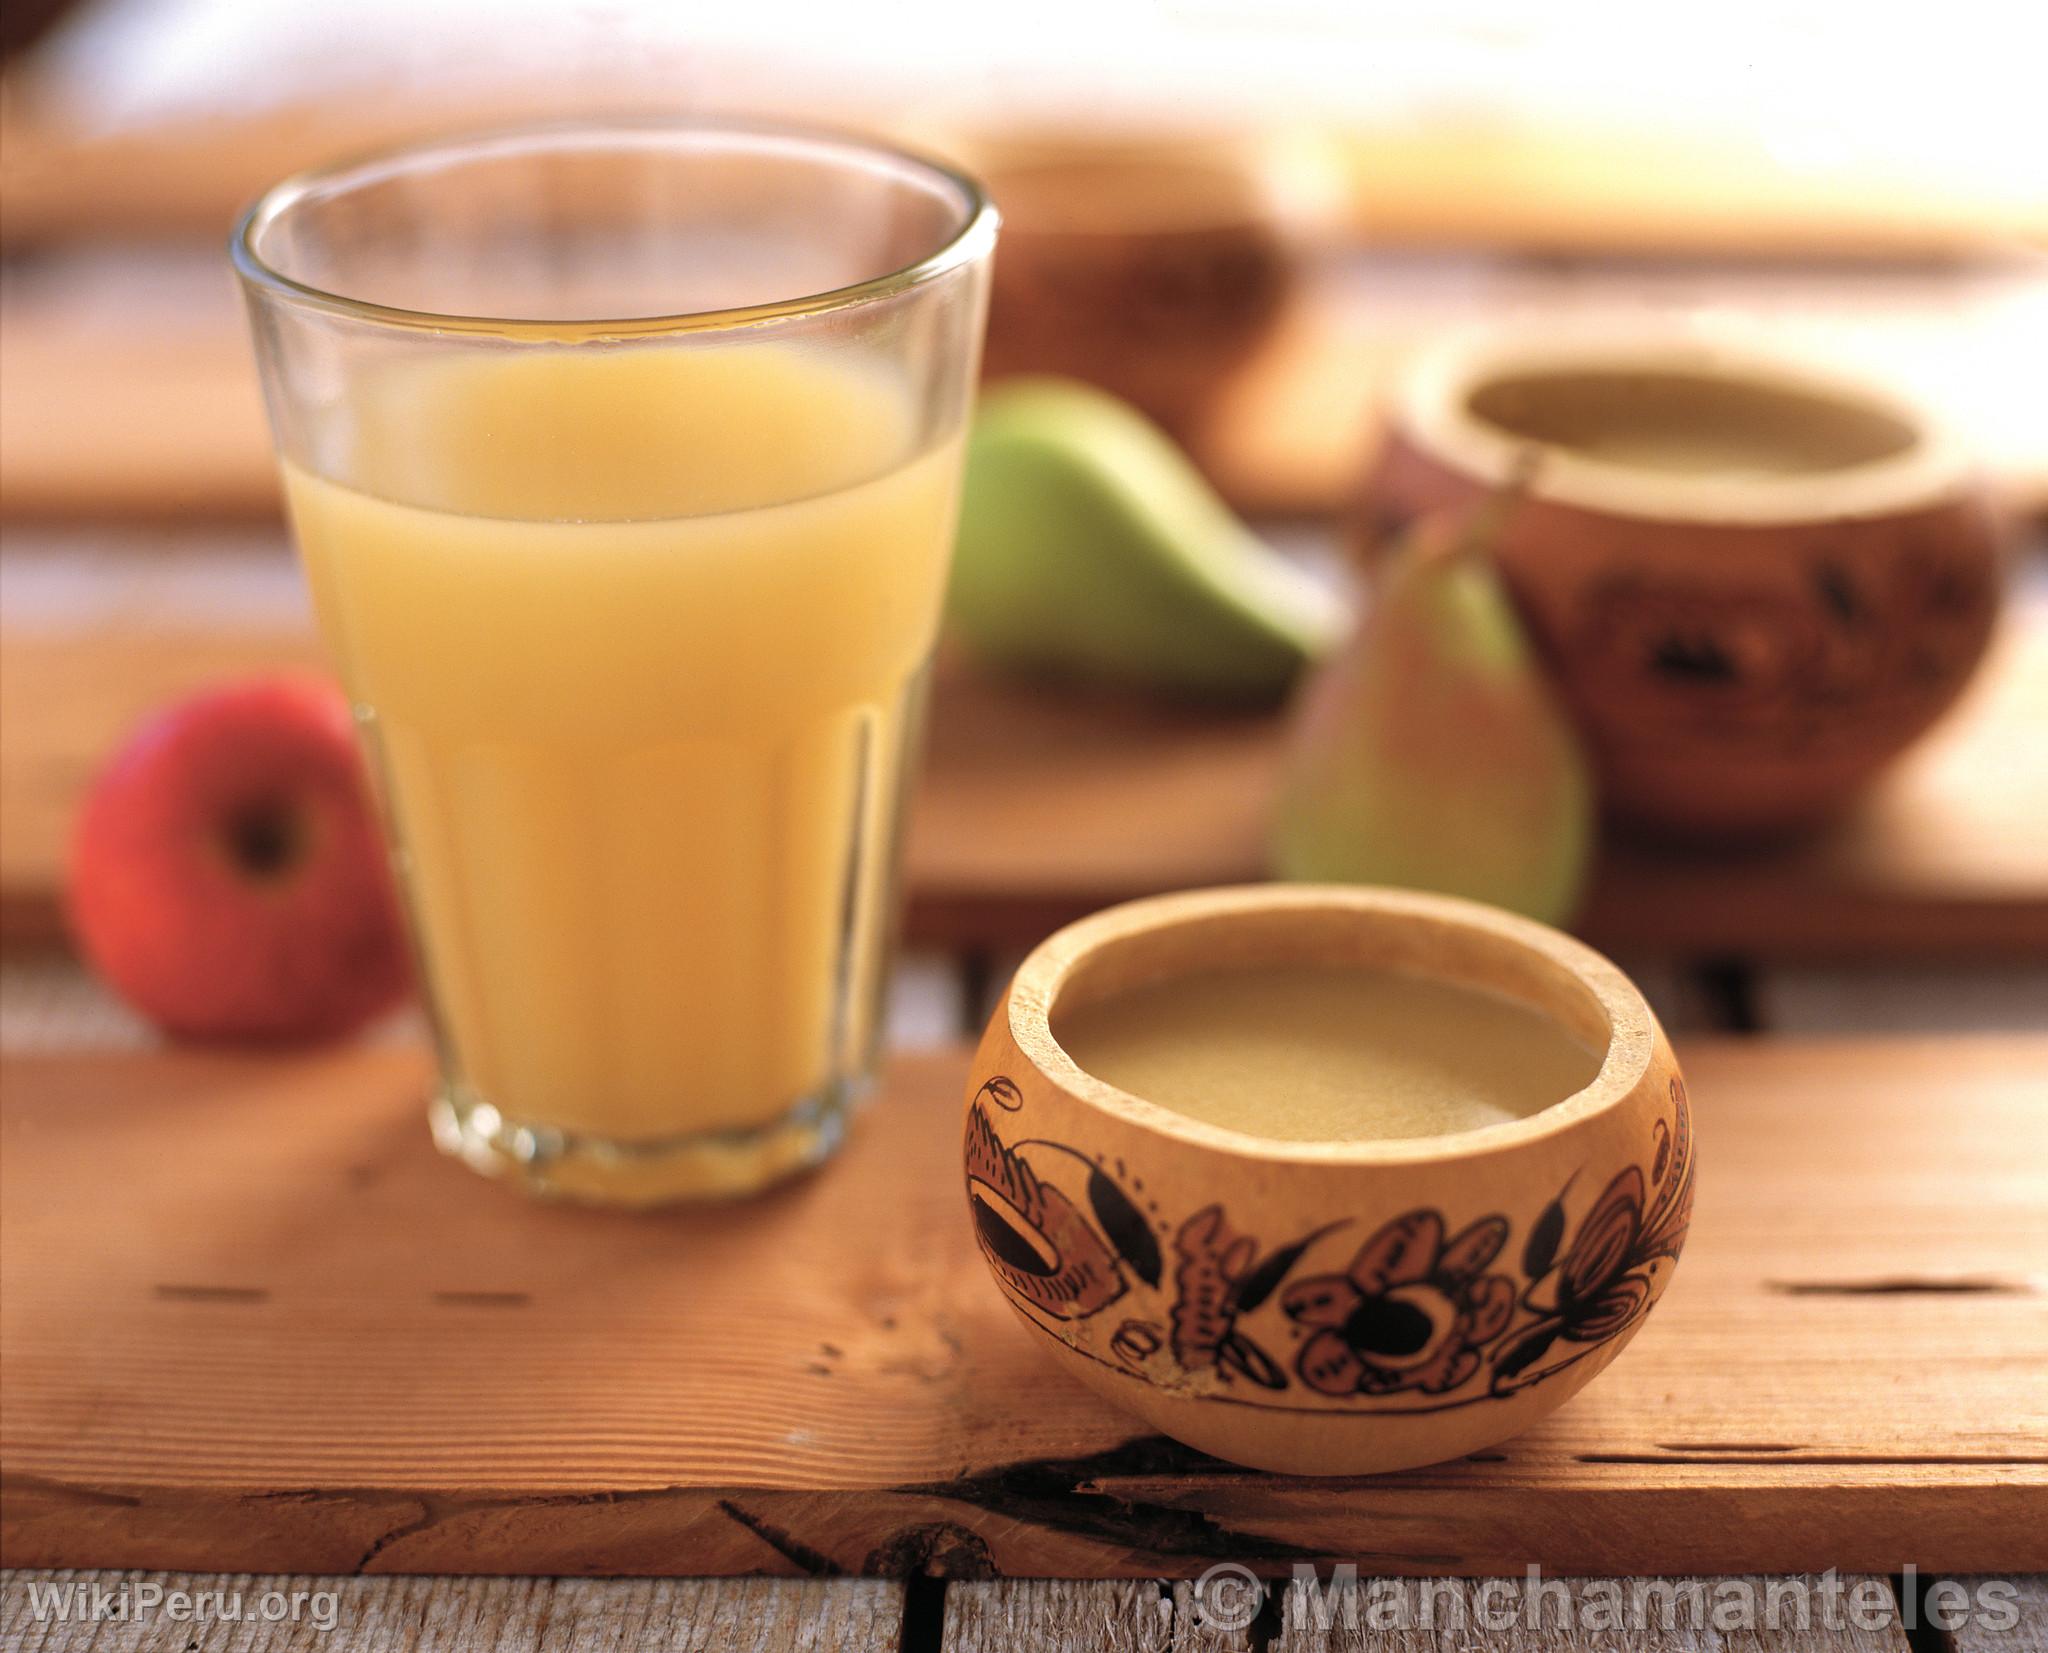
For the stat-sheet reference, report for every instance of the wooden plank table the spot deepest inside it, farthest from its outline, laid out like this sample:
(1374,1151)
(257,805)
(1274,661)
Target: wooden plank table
(250,1321)
(127,395)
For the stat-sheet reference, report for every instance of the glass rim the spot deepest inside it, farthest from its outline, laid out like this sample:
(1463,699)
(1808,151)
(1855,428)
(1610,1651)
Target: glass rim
(972,239)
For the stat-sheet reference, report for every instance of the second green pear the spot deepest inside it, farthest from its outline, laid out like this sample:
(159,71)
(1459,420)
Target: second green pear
(1431,752)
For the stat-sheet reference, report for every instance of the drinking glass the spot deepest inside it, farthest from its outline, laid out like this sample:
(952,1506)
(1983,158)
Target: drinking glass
(623,462)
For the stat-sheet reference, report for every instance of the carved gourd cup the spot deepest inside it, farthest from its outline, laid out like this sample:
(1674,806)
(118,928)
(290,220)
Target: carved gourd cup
(1327,1308)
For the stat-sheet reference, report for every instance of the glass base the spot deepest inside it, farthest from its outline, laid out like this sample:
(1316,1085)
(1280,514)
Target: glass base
(710,1165)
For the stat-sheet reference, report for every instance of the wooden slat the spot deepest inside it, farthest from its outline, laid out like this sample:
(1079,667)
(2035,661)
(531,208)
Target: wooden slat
(466,1615)
(179,433)
(1078,1616)
(49,1002)
(68,697)
(2022,1608)
(1544,186)
(130,391)
(1876,997)
(1040,805)
(249,1320)
(1856,1614)
(160,343)
(63,180)
(1564,188)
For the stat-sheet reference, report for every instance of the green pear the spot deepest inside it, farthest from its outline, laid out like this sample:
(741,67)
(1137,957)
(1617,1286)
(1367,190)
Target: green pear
(1090,547)
(1431,751)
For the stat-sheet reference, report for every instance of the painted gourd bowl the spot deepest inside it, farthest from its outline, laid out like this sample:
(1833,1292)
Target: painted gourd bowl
(1341,1307)
(1756,582)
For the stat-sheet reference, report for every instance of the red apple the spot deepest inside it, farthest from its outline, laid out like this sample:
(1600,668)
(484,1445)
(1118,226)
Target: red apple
(227,875)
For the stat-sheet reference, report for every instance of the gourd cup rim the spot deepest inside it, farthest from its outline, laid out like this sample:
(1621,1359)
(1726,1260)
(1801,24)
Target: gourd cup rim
(1439,937)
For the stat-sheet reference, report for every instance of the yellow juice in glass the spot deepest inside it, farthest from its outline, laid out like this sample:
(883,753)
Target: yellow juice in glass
(639,638)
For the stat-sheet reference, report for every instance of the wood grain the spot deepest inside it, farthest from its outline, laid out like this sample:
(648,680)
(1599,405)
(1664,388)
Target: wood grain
(2027,1598)
(249,1321)
(1078,1616)
(465,1615)
(1641,1615)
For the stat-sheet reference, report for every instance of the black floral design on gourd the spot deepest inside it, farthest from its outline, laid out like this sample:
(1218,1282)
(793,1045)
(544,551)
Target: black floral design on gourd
(1418,1310)
(1413,1311)
(1003,1092)
(1780,665)
(1033,1235)
(1217,1280)
(1601,1285)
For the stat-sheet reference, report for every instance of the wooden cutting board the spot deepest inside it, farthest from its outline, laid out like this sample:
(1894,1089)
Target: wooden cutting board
(250,1321)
